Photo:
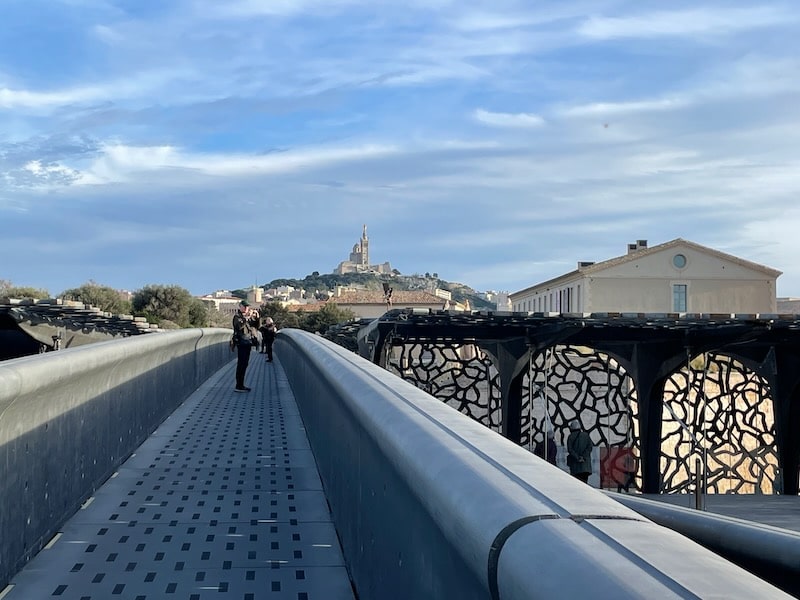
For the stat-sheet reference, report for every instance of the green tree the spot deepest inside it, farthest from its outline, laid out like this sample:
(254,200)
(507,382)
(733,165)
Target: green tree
(159,303)
(198,313)
(280,314)
(8,290)
(328,315)
(103,297)
(216,318)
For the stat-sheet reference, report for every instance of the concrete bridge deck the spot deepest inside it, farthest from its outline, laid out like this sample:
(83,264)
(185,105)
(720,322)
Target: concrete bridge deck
(223,500)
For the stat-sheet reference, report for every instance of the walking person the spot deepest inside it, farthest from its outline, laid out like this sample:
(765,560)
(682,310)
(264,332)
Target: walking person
(268,331)
(243,340)
(579,452)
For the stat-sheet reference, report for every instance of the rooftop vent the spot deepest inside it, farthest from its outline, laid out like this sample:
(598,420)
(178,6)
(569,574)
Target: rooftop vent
(585,263)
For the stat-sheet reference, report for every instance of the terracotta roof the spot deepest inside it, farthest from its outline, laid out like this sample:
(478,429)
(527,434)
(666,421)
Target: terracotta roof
(399,297)
(308,307)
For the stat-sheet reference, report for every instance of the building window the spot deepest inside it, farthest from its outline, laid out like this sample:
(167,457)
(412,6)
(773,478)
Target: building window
(679,297)
(679,261)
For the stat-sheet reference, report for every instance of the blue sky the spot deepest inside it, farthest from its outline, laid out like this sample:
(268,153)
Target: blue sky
(213,144)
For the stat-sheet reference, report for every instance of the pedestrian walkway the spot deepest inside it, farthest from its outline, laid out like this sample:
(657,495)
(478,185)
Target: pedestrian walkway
(224,500)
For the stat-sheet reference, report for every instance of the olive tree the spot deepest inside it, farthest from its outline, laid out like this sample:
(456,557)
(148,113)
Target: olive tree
(102,296)
(168,303)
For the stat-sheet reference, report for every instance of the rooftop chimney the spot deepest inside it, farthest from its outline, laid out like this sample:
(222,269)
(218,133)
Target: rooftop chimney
(639,245)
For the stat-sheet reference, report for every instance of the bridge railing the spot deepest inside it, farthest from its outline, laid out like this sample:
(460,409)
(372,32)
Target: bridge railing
(68,419)
(430,504)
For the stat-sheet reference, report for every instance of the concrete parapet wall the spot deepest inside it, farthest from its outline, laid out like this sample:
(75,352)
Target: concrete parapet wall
(68,419)
(430,504)
(770,552)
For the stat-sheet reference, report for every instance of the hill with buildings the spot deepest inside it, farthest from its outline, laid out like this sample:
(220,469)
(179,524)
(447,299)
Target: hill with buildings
(360,273)
(321,286)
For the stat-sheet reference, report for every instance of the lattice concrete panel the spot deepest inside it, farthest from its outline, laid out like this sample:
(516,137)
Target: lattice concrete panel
(223,501)
(722,409)
(462,376)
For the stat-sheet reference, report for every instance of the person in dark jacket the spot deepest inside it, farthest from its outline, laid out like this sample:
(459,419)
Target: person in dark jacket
(579,452)
(243,340)
(546,449)
(268,331)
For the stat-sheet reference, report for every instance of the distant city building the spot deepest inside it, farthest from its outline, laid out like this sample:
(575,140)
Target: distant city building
(255,295)
(219,294)
(285,293)
(359,259)
(502,301)
(789,306)
(675,277)
(446,294)
(224,304)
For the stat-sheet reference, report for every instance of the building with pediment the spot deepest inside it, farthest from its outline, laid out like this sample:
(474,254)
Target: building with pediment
(678,276)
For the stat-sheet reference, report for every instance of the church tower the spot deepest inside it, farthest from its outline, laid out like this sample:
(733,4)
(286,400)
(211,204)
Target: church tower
(364,247)
(359,259)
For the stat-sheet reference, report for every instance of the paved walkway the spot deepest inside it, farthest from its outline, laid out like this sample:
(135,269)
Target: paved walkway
(224,500)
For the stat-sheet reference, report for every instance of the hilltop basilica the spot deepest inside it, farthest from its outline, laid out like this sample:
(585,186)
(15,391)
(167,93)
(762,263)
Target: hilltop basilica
(359,259)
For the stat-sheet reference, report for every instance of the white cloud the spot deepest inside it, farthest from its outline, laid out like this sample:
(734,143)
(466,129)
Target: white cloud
(10,98)
(752,76)
(271,8)
(616,108)
(135,86)
(524,15)
(119,163)
(421,74)
(515,120)
(685,23)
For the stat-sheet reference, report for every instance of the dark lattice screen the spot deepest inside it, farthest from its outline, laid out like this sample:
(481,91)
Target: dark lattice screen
(462,376)
(732,419)
(719,406)
(569,382)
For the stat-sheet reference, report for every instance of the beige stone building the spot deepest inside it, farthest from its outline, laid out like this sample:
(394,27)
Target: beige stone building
(675,277)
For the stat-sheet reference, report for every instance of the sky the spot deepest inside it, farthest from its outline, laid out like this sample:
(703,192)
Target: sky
(215,145)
